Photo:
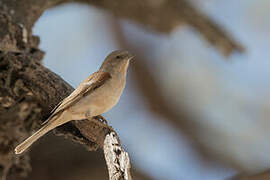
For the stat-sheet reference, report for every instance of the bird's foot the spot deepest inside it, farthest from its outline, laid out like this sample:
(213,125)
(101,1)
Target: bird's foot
(99,120)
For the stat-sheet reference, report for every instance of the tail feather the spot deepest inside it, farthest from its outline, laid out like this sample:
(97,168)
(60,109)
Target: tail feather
(29,141)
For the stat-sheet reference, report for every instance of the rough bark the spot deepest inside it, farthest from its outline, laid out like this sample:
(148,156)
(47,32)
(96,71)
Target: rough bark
(28,90)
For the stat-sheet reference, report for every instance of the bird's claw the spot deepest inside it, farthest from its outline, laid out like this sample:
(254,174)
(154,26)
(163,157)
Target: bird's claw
(101,119)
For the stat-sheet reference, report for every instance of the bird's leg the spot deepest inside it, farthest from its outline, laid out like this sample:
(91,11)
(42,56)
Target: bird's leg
(99,120)
(88,114)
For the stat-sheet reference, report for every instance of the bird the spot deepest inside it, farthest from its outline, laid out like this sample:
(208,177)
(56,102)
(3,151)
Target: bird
(97,94)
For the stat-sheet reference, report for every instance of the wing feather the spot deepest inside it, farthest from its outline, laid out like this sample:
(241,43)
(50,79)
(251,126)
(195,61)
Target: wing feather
(91,83)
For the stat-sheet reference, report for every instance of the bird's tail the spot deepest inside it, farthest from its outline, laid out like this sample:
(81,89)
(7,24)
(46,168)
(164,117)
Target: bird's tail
(29,141)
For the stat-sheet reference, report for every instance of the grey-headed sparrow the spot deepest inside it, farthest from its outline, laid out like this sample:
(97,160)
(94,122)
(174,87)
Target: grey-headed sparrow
(95,95)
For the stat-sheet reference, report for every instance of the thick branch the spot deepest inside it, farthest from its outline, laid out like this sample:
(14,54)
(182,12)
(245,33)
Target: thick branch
(28,92)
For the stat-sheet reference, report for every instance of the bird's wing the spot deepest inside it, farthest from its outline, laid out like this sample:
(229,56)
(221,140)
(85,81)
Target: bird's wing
(93,82)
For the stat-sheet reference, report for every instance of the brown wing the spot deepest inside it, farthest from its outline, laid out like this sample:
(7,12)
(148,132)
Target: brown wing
(91,83)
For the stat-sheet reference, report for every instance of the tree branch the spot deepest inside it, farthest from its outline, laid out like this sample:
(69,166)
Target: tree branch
(116,158)
(28,92)
(165,15)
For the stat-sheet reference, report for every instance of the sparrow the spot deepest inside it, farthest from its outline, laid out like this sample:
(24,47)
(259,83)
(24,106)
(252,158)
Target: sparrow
(97,94)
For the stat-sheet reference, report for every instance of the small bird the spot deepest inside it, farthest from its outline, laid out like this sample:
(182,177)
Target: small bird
(95,95)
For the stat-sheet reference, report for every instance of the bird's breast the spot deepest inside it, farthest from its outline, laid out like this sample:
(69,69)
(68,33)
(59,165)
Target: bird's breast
(103,98)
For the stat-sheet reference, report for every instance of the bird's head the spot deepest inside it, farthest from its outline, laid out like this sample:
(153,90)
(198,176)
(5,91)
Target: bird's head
(116,62)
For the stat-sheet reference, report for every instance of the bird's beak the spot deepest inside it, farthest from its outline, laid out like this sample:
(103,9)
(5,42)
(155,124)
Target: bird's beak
(130,57)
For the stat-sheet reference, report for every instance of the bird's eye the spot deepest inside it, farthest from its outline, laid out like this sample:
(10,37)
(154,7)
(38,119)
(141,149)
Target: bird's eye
(118,57)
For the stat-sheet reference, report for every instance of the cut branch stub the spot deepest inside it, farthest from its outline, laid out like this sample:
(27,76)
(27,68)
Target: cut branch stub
(117,158)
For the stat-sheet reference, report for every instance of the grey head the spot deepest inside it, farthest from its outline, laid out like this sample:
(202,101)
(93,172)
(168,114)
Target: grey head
(116,61)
